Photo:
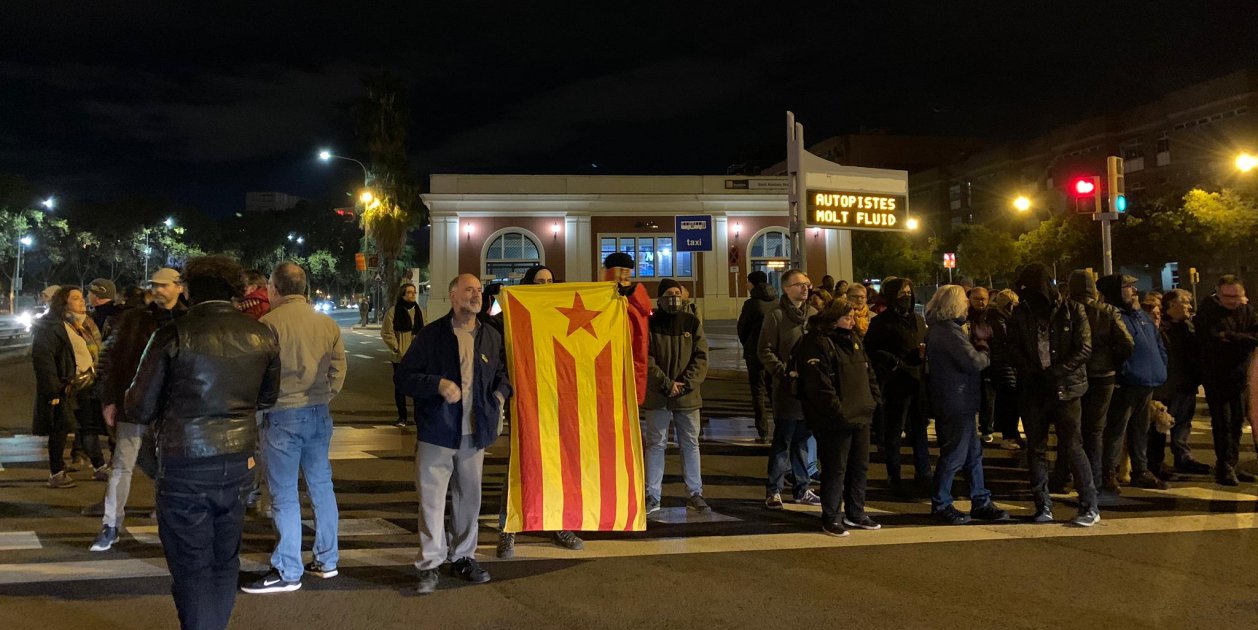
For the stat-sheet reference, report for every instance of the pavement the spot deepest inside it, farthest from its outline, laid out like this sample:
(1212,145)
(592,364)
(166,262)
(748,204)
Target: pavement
(1178,558)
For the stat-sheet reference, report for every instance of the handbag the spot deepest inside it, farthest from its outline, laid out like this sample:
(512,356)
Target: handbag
(82,381)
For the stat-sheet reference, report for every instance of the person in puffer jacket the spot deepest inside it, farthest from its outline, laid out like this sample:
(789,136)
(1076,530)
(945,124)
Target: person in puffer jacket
(677,364)
(1141,373)
(1051,343)
(838,393)
(1111,346)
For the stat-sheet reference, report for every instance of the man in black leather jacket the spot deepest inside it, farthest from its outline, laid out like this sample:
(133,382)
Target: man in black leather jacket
(200,383)
(1051,342)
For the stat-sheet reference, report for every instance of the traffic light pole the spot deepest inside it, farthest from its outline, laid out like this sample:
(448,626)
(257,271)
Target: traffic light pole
(1107,247)
(798,193)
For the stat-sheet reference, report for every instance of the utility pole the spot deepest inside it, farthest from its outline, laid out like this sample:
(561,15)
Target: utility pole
(798,193)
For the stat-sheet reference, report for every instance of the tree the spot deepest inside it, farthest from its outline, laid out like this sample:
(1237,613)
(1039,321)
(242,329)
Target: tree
(1228,220)
(984,253)
(382,123)
(1059,241)
(882,254)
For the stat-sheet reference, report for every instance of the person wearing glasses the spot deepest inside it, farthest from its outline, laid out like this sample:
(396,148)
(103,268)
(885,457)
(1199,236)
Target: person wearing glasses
(1227,333)
(1179,392)
(783,327)
(857,294)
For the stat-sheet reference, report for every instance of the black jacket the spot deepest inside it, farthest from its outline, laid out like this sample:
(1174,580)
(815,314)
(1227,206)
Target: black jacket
(106,315)
(1112,343)
(894,340)
(53,359)
(202,380)
(1069,338)
(121,351)
(1183,367)
(1227,339)
(1001,372)
(837,386)
(762,300)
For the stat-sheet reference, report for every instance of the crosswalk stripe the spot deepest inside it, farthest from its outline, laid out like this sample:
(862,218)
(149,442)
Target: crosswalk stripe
(43,572)
(14,541)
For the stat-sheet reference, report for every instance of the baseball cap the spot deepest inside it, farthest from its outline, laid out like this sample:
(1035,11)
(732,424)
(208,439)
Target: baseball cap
(103,288)
(166,275)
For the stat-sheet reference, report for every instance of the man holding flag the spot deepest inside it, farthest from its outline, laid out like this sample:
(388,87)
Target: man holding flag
(454,372)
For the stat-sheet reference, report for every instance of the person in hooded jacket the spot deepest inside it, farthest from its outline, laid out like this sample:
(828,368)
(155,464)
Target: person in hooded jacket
(838,393)
(896,344)
(1111,346)
(783,327)
(957,352)
(1141,373)
(401,324)
(1227,334)
(1179,392)
(1003,374)
(1051,343)
(763,298)
(677,365)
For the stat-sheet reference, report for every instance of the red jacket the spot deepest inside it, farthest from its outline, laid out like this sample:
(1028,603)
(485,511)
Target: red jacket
(639,320)
(255,304)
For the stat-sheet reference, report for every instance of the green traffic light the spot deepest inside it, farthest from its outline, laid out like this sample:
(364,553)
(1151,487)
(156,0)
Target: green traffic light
(1120,203)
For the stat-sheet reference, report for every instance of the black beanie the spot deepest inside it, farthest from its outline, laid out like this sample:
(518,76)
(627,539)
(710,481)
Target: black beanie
(666,284)
(758,277)
(618,259)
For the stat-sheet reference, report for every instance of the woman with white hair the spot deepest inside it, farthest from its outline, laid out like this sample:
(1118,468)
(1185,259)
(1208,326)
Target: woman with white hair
(954,360)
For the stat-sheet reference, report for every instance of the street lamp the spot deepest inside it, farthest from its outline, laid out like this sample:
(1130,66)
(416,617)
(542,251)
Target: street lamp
(1021,203)
(912,224)
(49,203)
(1246,162)
(328,156)
(22,243)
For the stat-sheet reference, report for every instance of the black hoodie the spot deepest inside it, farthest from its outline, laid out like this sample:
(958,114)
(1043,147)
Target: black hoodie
(763,299)
(895,337)
(1111,341)
(1042,316)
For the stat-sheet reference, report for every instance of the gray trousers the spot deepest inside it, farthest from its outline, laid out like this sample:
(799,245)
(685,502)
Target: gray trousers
(128,441)
(438,469)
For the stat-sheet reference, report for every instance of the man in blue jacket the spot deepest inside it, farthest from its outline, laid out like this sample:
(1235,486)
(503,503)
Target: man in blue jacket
(455,373)
(1143,372)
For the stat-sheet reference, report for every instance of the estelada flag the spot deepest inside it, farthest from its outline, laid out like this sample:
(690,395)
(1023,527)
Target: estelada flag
(576,447)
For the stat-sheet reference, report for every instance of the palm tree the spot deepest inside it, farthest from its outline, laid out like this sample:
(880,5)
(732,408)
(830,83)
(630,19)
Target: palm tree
(382,124)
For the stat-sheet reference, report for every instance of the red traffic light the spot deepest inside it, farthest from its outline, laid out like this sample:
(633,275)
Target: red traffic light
(1084,186)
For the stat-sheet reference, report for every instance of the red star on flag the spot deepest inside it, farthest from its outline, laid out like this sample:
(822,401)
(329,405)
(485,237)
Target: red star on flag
(579,317)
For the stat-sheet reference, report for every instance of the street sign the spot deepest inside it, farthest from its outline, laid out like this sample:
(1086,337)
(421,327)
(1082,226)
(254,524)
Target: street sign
(360,261)
(950,260)
(857,210)
(694,233)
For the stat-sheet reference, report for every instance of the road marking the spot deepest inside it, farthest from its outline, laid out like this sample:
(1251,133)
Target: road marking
(43,572)
(144,534)
(13,541)
(363,527)
(363,356)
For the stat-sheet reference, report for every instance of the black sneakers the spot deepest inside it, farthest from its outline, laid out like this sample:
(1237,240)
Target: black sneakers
(952,516)
(506,546)
(696,503)
(427,582)
(470,570)
(834,529)
(989,512)
(652,504)
(568,540)
(1043,515)
(317,568)
(861,522)
(271,583)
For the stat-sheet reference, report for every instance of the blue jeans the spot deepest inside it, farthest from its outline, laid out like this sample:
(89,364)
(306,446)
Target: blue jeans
(959,449)
(200,516)
(687,421)
(297,439)
(791,438)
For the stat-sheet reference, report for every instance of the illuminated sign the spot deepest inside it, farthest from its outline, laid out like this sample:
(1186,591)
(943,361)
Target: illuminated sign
(853,210)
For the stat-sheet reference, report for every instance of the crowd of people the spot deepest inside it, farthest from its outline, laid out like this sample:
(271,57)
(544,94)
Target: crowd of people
(216,382)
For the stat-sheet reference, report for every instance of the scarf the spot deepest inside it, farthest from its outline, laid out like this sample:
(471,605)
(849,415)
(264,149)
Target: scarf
(87,330)
(402,321)
(862,315)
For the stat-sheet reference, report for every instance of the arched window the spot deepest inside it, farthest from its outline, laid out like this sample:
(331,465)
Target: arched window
(510,255)
(771,253)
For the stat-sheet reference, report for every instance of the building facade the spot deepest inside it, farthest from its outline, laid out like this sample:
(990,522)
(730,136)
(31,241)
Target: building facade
(270,201)
(496,226)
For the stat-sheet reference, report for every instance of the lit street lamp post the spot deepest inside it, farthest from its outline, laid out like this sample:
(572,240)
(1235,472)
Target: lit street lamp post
(16,286)
(366,198)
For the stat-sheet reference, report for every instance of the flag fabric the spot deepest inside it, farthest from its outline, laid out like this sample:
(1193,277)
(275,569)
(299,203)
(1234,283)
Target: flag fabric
(576,446)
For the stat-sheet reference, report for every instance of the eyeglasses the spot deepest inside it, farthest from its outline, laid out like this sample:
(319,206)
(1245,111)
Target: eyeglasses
(806,285)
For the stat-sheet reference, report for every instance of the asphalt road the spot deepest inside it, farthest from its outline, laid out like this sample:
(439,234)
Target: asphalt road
(1182,558)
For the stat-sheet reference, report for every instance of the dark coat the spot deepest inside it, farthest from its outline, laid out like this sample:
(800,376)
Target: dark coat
(1227,339)
(1001,372)
(53,359)
(894,341)
(202,381)
(678,353)
(434,355)
(106,315)
(762,300)
(956,367)
(1183,366)
(837,385)
(123,347)
(1069,338)
(1111,341)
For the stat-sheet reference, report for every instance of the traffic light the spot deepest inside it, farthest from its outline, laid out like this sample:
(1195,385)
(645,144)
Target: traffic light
(1087,193)
(1114,184)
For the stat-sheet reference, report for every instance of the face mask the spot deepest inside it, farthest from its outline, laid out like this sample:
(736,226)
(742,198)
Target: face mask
(671,303)
(904,303)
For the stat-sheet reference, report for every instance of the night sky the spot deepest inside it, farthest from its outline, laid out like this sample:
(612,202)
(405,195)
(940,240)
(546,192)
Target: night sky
(205,102)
